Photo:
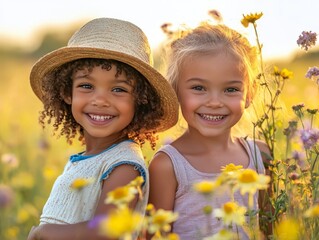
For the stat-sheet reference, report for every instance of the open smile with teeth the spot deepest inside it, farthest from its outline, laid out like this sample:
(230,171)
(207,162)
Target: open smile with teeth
(100,118)
(212,117)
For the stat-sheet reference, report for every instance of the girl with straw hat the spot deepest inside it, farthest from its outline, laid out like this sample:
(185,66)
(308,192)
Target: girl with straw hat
(102,88)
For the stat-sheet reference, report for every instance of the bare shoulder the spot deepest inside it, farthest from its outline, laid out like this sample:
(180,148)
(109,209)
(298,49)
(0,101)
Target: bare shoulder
(161,162)
(163,183)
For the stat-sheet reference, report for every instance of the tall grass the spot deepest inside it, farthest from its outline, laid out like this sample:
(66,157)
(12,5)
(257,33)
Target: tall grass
(31,158)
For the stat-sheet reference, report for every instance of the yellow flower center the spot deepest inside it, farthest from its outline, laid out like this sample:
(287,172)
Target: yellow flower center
(205,187)
(160,219)
(229,207)
(120,193)
(248,176)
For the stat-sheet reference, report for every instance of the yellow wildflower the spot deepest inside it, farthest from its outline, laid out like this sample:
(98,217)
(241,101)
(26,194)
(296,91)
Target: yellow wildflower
(137,183)
(26,212)
(287,229)
(249,181)
(121,195)
(80,183)
(230,213)
(286,74)
(223,234)
(276,71)
(250,18)
(161,220)
(12,232)
(206,187)
(50,172)
(231,167)
(172,236)
(313,211)
(120,223)
(23,180)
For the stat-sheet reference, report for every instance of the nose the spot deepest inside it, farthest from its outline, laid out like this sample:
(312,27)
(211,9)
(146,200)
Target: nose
(214,100)
(100,99)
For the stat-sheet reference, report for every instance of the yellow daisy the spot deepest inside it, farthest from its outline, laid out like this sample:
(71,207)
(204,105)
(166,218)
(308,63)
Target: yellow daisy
(230,213)
(313,211)
(231,167)
(80,183)
(287,229)
(250,18)
(249,181)
(206,187)
(161,220)
(223,234)
(121,195)
(121,223)
(286,74)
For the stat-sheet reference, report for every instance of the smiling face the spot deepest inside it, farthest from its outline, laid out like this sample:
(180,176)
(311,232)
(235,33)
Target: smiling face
(212,93)
(102,102)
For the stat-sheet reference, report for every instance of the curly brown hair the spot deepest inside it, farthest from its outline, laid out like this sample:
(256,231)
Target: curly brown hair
(57,86)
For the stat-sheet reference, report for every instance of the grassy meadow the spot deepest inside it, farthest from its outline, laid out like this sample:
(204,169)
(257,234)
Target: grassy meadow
(31,158)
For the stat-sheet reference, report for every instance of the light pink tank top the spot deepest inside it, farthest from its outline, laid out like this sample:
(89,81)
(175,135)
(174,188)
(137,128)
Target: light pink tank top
(192,223)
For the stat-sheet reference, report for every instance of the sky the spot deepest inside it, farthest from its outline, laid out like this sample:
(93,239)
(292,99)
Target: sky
(279,28)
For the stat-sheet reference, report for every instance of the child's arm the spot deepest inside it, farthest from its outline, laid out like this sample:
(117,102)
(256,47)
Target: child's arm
(264,200)
(119,177)
(163,184)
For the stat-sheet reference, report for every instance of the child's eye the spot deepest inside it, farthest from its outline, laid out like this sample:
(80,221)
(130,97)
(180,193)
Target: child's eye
(231,90)
(85,86)
(118,89)
(198,88)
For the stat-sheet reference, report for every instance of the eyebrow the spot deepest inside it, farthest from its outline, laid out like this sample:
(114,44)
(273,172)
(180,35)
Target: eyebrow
(115,80)
(80,75)
(126,81)
(206,80)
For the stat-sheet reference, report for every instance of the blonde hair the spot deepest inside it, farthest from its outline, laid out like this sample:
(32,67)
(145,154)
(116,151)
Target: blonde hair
(209,39)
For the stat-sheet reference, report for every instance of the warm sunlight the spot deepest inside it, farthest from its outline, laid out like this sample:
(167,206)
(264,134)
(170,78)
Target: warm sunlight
(19,20)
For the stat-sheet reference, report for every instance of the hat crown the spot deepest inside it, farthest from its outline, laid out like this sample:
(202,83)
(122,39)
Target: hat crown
(113,35)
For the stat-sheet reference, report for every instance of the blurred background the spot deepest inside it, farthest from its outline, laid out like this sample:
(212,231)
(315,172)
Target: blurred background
(31,158)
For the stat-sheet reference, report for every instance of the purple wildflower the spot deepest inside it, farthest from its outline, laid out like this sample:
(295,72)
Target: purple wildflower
(94,223)
(6,196)
(307,39)
(313,74)
(298,107)
(302,162)
(309,137)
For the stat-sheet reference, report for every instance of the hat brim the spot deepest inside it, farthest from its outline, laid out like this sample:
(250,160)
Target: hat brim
(63,55)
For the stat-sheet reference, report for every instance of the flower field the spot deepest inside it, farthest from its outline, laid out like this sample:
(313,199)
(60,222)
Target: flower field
(287,120)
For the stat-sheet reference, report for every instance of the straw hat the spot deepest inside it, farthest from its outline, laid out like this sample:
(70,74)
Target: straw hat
(109,38)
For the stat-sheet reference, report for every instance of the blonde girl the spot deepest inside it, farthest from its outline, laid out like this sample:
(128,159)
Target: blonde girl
(212,69)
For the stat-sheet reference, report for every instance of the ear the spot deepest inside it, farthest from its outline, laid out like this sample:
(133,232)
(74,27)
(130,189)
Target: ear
(67,100)
(247,103)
